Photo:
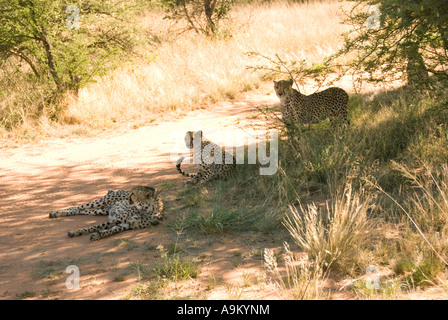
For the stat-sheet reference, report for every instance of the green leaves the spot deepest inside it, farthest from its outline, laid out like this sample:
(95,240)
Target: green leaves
(420,25)
(38,32)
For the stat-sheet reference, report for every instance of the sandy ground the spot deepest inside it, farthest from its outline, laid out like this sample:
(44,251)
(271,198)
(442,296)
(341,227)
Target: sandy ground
(57,173)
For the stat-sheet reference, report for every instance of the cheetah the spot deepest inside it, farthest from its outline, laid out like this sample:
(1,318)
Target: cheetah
(138,208)
(296,107)
(212,166)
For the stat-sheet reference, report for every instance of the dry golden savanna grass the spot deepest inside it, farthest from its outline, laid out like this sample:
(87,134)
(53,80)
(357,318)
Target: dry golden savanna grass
(188,70)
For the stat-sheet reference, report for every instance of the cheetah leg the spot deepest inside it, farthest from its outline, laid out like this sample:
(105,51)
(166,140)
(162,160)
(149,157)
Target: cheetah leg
(346,121)
(108,232)
(135,223)
(289,130)
(95,228)
(86,209)
(211,177)
(203,179)
(195,180)
(292,130)
(77,211)
(336,121)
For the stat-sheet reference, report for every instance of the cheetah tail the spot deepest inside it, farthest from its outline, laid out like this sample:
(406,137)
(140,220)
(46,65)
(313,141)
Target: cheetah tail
(180,170)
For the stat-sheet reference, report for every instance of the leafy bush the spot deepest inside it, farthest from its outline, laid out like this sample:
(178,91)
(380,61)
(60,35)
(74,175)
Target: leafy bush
(333,235)
(62,46)
(395,39)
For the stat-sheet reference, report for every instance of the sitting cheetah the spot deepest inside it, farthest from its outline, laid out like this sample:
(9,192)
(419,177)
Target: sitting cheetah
(296,107)
(212,166)
(138,208)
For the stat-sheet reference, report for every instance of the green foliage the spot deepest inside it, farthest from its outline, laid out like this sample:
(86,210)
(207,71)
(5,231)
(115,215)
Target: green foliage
(419,273)
(410,39)
(426,272)
(175,268)
(193,197)
(218,220)
(403,265)
(65,43)
(296,70)
(25,295)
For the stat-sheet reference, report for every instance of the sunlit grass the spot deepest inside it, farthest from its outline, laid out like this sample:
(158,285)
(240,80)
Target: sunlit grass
(189,71)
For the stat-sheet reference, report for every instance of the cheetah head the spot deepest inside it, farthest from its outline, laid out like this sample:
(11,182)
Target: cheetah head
(283,88)
(140,195)
(190,136)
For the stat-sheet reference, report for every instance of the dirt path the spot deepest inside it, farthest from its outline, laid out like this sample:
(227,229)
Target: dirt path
(53,174)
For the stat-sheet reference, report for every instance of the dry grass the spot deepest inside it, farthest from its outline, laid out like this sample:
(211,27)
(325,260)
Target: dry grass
(301,280)
(331,237)
(188,71)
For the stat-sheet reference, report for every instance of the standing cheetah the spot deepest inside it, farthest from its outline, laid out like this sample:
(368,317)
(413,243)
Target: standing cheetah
(138,208)
(296,107)
(212,166)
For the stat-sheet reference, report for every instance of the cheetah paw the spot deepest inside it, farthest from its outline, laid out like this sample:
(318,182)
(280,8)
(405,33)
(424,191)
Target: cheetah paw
(95,236)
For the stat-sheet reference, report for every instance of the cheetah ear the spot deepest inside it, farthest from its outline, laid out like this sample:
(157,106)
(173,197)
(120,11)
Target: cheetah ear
(291,82)
(275,82)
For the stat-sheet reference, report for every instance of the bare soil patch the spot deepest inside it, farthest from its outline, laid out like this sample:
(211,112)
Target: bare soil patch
(58,173)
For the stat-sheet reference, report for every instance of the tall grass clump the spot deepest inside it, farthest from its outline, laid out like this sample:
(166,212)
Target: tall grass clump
(23,101)
(331,236)
(175,268)
(420,253)
(301,280)
(429,203)
(426,210)
(216,221)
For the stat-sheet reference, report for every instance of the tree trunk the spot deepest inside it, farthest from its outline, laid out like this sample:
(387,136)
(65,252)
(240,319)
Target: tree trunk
(187,15)
(209,8)
(50,59)
(416,70)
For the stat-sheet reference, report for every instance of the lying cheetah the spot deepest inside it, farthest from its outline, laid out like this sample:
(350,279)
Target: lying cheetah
(138,208)
(212,166)
(296,107)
